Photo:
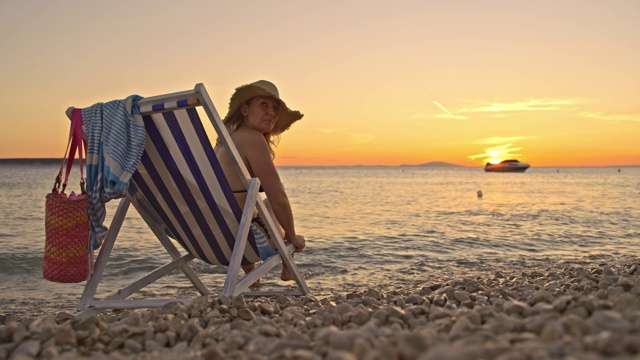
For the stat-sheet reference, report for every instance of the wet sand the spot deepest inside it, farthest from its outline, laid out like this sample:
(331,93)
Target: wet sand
(586,311)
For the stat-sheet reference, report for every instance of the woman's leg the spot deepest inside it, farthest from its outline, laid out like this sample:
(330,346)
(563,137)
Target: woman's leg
(249,268)
(286,274)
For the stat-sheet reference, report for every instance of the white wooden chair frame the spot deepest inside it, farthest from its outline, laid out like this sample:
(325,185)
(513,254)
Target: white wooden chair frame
(234,284)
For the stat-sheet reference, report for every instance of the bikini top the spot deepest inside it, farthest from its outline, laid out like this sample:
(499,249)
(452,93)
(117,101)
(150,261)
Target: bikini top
(244,191)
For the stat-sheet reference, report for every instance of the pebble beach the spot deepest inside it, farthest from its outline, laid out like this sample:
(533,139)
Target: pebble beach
(587,311)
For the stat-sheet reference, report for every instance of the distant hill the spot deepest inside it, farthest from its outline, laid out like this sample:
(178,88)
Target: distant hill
(436,164)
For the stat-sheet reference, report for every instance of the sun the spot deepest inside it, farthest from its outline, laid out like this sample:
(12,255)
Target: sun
(495,156)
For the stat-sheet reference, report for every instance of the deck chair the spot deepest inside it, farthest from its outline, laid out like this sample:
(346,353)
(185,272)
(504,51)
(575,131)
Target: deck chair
(180,191)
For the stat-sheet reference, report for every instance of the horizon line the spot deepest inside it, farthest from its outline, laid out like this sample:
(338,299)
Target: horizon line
(433,164)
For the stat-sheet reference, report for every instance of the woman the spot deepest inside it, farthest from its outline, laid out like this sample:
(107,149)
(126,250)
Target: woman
(256,118)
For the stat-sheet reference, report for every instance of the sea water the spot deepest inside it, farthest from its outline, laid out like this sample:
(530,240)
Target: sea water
(365,226)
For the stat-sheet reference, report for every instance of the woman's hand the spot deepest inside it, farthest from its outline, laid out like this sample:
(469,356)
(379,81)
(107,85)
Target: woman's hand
(299,243)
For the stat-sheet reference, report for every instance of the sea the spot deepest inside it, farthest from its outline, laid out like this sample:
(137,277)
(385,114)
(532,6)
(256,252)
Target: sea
(381,227)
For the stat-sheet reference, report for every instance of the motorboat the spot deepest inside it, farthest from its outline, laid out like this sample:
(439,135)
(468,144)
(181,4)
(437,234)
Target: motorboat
(507,166)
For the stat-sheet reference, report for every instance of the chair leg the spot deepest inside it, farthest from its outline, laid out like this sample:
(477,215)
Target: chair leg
(231,280)
(103,257)
(179,261)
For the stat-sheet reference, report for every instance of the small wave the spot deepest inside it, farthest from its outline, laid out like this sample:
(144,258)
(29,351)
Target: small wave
(20,263)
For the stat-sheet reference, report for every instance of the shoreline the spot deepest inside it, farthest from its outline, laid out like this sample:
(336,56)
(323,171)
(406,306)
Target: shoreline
(586,311)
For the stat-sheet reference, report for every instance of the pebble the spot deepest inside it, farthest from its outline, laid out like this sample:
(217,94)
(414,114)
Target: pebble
(571,312)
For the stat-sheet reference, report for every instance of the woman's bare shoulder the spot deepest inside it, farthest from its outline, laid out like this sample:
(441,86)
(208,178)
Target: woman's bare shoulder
(246,133)
(249,139)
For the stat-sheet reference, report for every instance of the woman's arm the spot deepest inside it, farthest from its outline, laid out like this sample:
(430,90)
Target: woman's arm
(254,150)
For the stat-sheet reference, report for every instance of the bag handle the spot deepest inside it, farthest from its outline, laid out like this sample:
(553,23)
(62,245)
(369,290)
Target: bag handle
(75,142)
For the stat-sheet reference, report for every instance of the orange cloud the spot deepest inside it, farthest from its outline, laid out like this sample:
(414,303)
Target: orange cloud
(525,105)
(621,117)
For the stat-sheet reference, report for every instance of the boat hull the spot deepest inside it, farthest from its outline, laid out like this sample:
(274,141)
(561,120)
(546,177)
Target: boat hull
(506,169)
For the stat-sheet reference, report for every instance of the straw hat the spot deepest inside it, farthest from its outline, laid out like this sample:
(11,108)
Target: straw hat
(286,116)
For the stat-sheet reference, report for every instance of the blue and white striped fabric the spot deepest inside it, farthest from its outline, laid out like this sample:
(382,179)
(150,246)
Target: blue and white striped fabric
(115,142)
(153,107)
(264,249)
(180,187)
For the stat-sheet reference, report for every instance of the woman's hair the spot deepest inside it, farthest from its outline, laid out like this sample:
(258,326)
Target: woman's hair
(236,120)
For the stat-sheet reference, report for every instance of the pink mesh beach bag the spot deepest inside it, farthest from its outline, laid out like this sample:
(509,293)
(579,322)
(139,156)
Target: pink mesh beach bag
(66,253)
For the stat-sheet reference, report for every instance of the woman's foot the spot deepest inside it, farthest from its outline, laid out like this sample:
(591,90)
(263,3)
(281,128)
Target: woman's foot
(286,274)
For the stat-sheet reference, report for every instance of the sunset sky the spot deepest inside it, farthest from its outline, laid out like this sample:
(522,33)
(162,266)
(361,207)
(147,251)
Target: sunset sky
(548,82)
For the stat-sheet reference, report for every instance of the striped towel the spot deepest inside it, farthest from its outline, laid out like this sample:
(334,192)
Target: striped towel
(115,136)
